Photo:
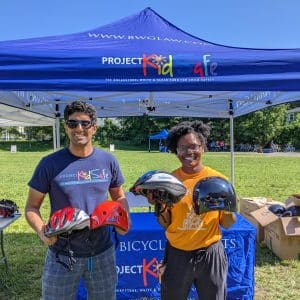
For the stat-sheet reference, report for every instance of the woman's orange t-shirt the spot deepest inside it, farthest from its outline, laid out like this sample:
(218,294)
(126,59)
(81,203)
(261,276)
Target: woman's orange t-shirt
(189,231)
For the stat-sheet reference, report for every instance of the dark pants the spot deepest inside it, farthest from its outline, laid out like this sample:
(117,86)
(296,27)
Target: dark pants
(205,268)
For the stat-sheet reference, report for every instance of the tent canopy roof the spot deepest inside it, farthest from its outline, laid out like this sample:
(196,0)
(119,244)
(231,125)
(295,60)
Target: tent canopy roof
(143,64)
(14,116)
(206,104)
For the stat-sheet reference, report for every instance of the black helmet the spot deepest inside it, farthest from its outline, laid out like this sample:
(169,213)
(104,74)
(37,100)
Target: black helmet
(277,209)
(292,211)
(163,185)
(214,193)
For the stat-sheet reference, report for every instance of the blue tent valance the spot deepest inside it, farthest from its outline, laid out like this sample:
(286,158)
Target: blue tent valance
(143,64)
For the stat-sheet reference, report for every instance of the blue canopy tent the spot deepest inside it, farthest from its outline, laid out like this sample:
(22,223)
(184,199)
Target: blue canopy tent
(143,52)
(162,135)
(143,64)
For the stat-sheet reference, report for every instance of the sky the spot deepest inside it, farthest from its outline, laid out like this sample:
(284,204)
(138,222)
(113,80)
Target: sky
(240,23)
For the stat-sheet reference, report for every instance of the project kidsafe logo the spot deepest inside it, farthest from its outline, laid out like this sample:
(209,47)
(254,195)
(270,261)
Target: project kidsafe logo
(163,65)
(206,67)
(146,269)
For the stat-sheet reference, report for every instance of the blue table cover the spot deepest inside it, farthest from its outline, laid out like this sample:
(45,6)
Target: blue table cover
(142,248)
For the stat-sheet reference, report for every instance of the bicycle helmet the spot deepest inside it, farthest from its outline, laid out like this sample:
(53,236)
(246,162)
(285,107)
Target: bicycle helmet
(8,208)
(163,186)
(66,220)
(292,211)
(277,209)
(109,213)
(214,193)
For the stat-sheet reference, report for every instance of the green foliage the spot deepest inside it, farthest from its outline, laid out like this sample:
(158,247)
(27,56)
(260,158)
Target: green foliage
(220,130)
(137,129)
(25,146)
(290,134)
(39,133)
(260,127)
(108,133)
(257,128)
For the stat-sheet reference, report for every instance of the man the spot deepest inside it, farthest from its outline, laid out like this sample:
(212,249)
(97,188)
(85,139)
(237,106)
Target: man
(79,176)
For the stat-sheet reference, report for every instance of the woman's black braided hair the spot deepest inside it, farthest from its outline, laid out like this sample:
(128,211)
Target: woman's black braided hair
(197,127)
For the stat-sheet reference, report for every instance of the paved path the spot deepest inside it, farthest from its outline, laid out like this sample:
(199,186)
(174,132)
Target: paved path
(283,154)
(292,154)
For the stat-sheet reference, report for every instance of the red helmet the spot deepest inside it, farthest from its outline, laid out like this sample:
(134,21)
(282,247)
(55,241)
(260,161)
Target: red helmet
(65,220)
(109,213)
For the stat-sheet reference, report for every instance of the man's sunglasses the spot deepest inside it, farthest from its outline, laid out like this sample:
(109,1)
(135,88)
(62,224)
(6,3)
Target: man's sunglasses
(74,123)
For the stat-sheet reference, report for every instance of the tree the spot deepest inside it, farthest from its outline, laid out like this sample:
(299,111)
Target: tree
(109,132)
(39,133)
(290,134)
(138,129)
(219,130)
(261,127)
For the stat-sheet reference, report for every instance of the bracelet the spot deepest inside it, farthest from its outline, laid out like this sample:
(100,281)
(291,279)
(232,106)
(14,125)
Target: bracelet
(227,212)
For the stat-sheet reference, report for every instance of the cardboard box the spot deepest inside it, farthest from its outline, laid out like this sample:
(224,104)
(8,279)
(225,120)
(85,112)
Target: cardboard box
(260,231)
(250,204)
(282,234)
(293,200)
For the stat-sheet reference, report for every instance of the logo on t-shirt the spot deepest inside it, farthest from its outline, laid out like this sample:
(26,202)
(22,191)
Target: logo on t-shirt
(192,221)
(84,177)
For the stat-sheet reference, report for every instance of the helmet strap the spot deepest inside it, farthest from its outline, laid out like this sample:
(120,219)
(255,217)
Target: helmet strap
(71,259)
(117,242)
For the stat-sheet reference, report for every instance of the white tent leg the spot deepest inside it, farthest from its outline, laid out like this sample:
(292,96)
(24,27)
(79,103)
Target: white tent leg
(231,151)
(54,138)
(57,133)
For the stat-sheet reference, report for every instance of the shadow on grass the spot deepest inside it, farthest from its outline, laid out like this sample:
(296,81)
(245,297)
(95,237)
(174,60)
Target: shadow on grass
(25,257)
(41,146)
(264,256)
(26,146)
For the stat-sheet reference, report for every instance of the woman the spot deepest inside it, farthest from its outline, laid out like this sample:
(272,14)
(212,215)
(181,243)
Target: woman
(194,252)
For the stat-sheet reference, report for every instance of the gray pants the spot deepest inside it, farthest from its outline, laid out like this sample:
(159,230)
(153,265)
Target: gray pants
(99,273)
(205,268)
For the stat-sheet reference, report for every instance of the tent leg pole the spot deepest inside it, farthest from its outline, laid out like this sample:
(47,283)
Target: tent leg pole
(57,133)
(54,138)
(231,150)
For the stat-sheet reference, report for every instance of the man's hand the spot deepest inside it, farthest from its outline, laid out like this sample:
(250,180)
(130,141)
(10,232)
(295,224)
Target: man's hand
(48,241)
(150,197)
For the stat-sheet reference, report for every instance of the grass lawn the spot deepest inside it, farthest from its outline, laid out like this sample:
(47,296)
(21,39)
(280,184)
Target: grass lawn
(255,175)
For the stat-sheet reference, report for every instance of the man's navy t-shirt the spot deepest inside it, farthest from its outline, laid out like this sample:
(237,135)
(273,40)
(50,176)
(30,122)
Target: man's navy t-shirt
(80,182)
